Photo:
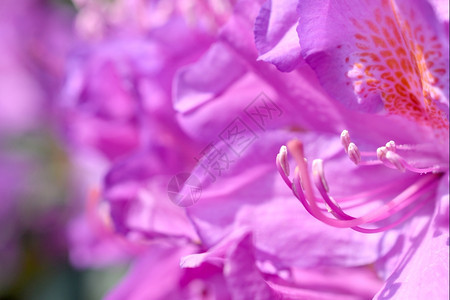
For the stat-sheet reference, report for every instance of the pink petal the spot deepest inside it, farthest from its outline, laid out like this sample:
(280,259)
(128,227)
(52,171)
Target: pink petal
(242,275)
(275,34)
(359,50)
(423,268)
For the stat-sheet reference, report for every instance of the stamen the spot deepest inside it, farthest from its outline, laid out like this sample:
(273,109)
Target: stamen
(396,160)
(354,154)
(381,153)
(309,200)
(302,187)
(370,163)
(345,140)
(317,167)
(390,146)
(322,186)
(283,166)
(283,159)
(336,210)
(417,147)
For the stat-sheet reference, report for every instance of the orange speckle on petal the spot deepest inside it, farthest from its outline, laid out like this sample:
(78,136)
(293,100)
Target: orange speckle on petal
(400,51)
(362,46)
(440,71)
(386,53)
(379,42)
(401,63)
(392,63)
(372,26)
(361,37)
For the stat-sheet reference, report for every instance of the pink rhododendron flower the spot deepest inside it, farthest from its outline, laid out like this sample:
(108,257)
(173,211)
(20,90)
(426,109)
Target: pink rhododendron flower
(246,242)
(343,102)
(392,170)
(391,58)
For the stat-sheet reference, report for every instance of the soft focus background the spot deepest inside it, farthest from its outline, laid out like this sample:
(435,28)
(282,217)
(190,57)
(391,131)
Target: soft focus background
(39,194)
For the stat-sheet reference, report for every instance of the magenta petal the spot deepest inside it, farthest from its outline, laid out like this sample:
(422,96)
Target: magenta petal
(328,283)
(233,84)
(428,23)
(248,278)
(199,82)
(242,275)
(276,36)
(153,276)
(423,268)
(215,255)
(326,38)
(144,209)
(157,275)
(360,57)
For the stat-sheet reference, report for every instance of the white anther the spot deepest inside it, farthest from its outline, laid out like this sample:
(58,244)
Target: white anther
(381,153)
(345,140)
(354,154)
(296,177)
(396,160)
(390,146)
(282,158)
(317,168)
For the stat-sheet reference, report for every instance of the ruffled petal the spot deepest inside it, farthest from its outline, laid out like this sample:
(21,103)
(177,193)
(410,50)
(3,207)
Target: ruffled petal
(246,277)
(276,36)
(242,275)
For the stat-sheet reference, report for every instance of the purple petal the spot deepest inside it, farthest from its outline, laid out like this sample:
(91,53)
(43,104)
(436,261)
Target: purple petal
(247,277)
(153,276)
(423,268)
(157,275)
(352,46)
(242,276)
(276,36)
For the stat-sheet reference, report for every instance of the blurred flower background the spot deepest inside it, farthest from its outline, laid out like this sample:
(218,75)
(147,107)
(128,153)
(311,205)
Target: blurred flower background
(107,106)
(40,193)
